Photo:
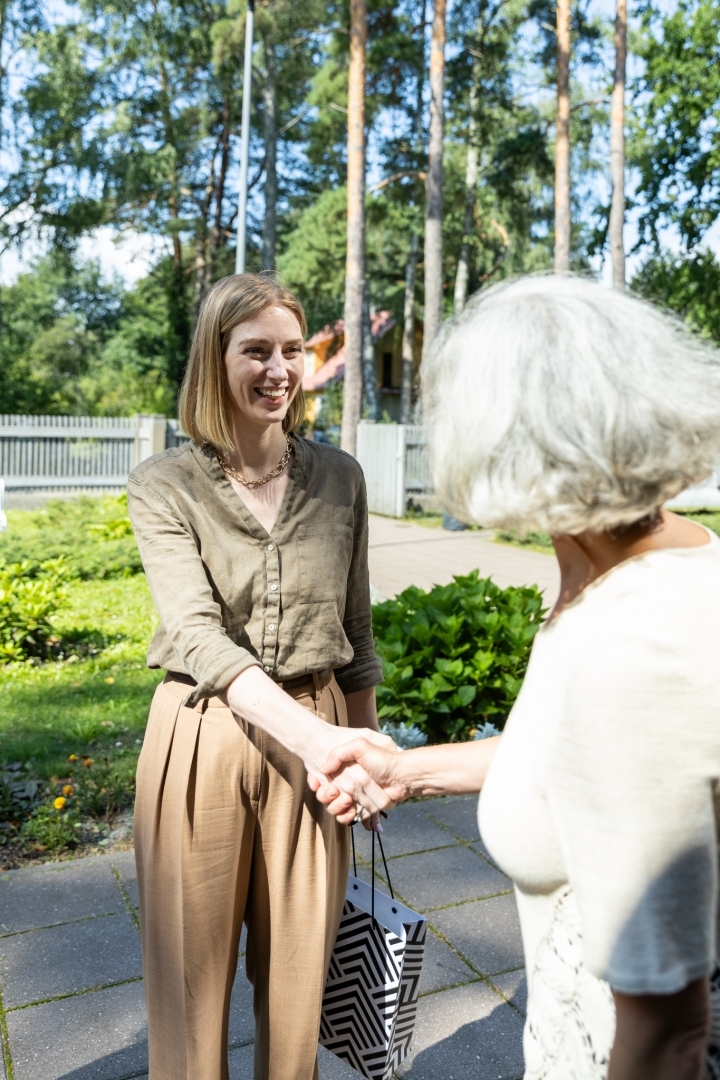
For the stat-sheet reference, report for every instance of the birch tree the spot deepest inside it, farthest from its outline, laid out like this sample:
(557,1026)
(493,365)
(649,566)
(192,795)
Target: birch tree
(434,183)
(355,262)
(562,139)
(408,333)
(617,149)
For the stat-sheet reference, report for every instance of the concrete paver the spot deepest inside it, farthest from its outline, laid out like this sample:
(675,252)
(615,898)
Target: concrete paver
(442,967)
(41,964)
(465,1032)
(486,933)
(513,986)
(448,876)
(404,554)
(99,1036)
(69,891)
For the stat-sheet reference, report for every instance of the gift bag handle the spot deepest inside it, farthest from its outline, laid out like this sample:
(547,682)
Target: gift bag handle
(382,852)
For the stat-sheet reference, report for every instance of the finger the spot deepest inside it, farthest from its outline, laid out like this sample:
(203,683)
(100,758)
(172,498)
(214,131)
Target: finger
(345,753)
(313,782)
(367,793)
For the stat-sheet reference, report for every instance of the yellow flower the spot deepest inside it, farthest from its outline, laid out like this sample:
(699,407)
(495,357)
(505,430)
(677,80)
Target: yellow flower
(68,790)
(59,802)
(109,680)
(73,757)
(87,762)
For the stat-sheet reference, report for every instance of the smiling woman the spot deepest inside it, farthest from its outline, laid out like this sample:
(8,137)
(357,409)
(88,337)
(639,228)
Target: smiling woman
(254,542)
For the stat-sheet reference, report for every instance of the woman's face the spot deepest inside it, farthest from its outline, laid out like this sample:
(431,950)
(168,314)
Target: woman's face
(265,361)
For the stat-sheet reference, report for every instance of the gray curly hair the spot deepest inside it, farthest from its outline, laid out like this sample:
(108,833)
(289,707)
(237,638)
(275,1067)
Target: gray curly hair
(554,403)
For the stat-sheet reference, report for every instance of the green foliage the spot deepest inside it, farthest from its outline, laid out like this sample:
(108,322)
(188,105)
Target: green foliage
(30,593)
(676,138)
(530,539)
(688,285)
(93,536)
(454,657)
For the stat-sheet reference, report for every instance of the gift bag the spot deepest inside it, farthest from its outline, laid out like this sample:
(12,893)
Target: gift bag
(371,993)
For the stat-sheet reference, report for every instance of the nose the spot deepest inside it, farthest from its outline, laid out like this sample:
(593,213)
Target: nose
(277,365)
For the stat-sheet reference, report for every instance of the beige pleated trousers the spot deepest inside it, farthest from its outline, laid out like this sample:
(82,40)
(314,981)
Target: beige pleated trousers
(226,831)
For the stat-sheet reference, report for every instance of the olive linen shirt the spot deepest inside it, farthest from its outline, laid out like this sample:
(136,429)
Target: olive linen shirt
(231,595)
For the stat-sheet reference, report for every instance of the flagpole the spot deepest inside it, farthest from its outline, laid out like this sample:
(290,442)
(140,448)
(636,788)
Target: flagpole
(245,139)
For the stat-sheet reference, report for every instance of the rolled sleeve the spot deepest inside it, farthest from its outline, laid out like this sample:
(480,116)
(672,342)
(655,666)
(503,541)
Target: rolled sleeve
(364,670)
(179,584)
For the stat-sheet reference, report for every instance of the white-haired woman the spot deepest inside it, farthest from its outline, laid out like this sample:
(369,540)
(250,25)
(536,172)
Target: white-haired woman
(254,542)
(555,404)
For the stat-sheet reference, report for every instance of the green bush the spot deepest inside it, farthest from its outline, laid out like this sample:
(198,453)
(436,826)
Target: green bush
(454,658)
(94,535)
(29,594)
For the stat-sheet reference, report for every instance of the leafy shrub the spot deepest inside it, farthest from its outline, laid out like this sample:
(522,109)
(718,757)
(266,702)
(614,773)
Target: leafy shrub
(94,535)
(454,658)
(29,594)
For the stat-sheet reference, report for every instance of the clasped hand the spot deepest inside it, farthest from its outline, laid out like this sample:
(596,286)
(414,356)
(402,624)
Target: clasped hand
(359,775)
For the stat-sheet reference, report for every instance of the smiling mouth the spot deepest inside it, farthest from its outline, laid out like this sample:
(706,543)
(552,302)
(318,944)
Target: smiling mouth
(270,392)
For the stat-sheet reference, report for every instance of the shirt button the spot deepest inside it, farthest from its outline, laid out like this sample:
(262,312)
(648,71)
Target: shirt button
(273,587)
(271,547)
(271,626)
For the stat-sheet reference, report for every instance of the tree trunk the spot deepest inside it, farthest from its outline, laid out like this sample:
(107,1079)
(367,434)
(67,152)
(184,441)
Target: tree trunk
(355,265)
(408,338)
(217,237)
(471,178)
(269,97)
(562,140)
(433,184)
(617,149)
(370,397)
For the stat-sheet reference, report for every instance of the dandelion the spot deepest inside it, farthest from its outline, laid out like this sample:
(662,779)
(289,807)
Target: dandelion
(72,757)
(87,762)
(68,790)
(109,680)
(59,802)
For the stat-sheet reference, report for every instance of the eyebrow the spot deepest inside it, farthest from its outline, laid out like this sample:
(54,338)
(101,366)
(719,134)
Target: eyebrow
(264,341)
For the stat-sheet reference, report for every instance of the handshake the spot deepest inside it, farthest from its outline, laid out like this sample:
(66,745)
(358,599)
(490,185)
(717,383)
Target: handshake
(360,776)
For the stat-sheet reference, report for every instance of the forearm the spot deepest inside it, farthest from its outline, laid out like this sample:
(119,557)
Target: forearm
(661,1037)
(254,697)
(361,709)
(451,769)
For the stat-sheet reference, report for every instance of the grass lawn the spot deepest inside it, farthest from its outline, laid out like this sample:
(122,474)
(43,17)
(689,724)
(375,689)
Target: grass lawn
(71,727)
(82,704)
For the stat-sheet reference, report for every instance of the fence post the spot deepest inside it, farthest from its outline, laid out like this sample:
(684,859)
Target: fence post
(150,436)
(3,515)
(400,472)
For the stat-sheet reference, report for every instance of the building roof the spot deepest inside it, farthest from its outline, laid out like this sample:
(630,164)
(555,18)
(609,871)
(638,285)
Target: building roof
(334,368)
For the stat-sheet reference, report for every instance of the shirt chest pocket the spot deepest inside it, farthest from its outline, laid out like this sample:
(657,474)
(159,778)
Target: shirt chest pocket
(324,557)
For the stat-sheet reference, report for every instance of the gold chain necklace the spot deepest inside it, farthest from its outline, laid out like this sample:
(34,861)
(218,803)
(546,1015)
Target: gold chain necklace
(277,471)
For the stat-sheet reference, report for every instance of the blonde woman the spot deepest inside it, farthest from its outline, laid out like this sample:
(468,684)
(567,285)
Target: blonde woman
(582,411)
(254,542)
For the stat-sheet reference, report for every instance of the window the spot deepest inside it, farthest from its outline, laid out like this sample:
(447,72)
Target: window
(387,370)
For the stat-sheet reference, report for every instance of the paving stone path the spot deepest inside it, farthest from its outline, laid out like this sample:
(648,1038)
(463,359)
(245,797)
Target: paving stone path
(71,975)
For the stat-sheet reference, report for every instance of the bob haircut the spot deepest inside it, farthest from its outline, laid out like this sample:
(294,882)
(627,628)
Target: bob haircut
(554,403)
(202,406)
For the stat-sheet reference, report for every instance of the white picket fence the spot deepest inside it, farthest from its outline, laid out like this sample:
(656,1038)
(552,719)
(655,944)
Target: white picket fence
(67,453)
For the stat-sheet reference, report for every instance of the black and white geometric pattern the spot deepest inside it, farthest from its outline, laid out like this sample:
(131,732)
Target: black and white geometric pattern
(371,993)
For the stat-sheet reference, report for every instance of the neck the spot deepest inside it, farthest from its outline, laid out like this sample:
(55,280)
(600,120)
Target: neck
(258,448)
(587,556)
